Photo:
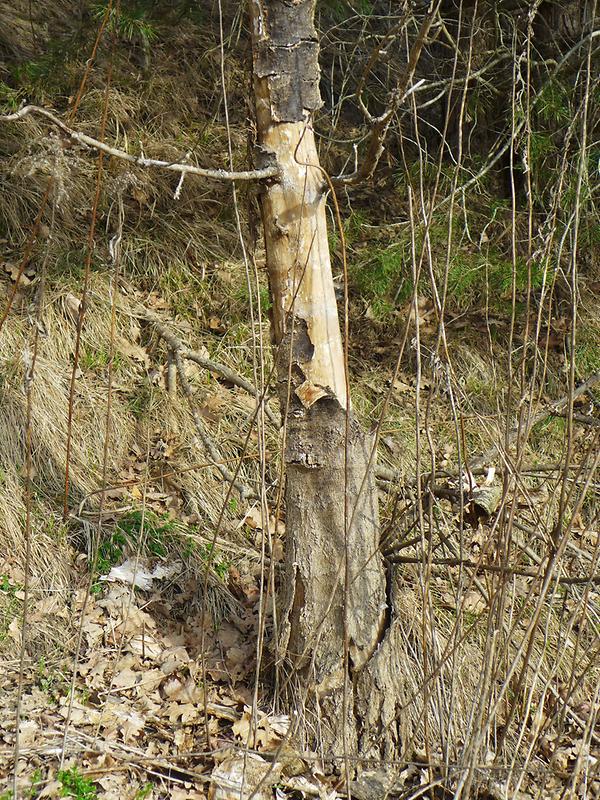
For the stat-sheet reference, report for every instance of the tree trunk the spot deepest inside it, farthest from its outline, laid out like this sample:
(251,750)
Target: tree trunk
(334,600)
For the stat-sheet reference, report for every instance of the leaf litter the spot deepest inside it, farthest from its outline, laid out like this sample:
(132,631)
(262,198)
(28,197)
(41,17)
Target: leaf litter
(151,683)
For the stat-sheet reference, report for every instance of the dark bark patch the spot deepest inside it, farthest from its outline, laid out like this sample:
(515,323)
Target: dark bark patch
(288,58)
(303,349)
(293,76)
(290,22)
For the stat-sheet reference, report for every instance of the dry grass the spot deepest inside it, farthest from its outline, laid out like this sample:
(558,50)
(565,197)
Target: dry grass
(177,256)
(182,258)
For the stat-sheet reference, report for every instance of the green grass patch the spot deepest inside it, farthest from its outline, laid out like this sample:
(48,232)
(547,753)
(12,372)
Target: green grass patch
(383,279)
(549,434)
(133,530)
(142,400)
(143,792)
(73,784)
(587,350)
(98,359)
(55,72)
(10,99)
(151,535)
(473,275)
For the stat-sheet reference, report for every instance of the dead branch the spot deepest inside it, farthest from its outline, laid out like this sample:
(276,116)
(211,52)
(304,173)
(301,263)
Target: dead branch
(569,580)
(176,346)
(381,124)
(207,441)
(476,465)
(376,54)
(177,351)
(88,141)
(581,419)
(552,410)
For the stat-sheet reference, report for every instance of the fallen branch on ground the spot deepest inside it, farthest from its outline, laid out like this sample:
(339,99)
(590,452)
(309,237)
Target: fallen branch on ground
(477,465)
(211,448)
(176,351)
(558,406)
(175,344)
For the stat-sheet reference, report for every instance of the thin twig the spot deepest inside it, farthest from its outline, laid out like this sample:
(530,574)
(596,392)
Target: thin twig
(570,580)
(476,465)
(207,441)
(381,124)
(554,408)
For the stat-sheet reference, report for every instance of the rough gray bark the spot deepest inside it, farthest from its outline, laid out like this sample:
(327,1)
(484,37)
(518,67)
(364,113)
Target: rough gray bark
(334,598)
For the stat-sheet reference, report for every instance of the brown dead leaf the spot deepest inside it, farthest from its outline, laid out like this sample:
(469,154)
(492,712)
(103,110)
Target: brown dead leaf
(133,351)
(241,728)
(228,635)
(191,692)
(72,306)
(131,724)
(135,622)
(474,602)
(213,407)
(239,657)
(12,270)
(176,793)
(93,671)
(253,518)
(51,789)
(29,733)
(145,646)
(264,732)
(173,658)
(183,713)
(78,713)
(140,196)
(216,325)
(401,387)
(126,679)
(151,679)
(239,778)
(156,301)
(277,550)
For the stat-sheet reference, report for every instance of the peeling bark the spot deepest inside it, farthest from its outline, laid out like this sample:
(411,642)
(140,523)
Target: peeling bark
(286,82)
(335,588)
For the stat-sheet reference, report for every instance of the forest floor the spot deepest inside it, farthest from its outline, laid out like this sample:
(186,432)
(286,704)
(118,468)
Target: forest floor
(145,666)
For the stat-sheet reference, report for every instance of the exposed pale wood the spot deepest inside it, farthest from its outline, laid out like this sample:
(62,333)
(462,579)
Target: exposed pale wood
(293,208)
(334,595)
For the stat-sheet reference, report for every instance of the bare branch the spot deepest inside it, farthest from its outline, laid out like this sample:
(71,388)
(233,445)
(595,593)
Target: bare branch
(571,580)
(554,409)
(376,54)
(175,345)
(382,123)
(206,440)
(477,465)
(88,141)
